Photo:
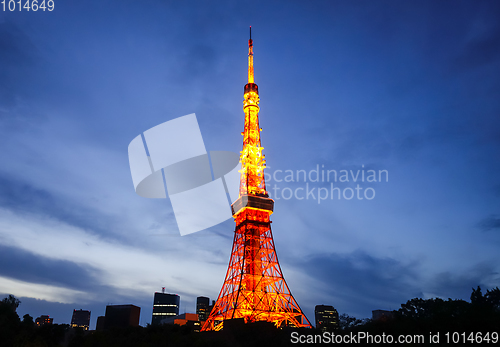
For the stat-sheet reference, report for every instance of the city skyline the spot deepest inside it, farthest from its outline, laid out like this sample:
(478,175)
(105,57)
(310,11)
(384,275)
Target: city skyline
(409,88)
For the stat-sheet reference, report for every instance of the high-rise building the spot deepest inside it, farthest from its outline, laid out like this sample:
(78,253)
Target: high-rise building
(80,319)
(121,316)
(202,305)
(327,318)
(254,288)
(164,305)
(43,320)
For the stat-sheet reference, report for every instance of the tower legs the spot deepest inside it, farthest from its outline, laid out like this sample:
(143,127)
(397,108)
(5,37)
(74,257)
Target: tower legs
(254,288)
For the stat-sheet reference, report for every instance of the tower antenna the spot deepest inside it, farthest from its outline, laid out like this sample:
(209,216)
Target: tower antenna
(250,59)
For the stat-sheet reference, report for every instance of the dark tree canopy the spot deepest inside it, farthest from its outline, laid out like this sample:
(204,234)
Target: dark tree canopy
(11,301)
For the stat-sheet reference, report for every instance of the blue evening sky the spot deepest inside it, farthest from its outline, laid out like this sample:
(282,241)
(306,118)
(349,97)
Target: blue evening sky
(410,87)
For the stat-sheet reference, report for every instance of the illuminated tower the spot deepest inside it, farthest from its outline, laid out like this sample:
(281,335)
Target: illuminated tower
(254,288)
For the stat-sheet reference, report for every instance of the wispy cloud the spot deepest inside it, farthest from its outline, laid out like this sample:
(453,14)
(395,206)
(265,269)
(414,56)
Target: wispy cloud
(25,266)
(458,285)
(358,282)
(18,62)
(491,223)
(108,267)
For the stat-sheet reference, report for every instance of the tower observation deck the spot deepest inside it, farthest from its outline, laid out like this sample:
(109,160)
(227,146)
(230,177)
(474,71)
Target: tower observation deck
(254,288)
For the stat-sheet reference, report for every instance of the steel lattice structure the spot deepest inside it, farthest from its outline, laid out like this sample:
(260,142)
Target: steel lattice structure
(254,288)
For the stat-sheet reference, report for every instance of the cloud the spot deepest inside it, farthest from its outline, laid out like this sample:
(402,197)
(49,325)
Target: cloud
(197,61)
(482,50)
(359,281)
(459,286)
(23,196)
(26,266)
(41,291)
(111,269)
(16,47)
(490,223)
(18,60)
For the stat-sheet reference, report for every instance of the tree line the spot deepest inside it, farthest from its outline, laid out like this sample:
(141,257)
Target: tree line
(416,316)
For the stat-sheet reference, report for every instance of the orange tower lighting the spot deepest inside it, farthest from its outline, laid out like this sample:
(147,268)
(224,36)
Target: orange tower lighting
(254,288)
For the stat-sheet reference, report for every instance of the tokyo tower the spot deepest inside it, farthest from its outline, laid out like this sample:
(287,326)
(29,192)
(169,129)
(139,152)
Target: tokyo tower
(254,288)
